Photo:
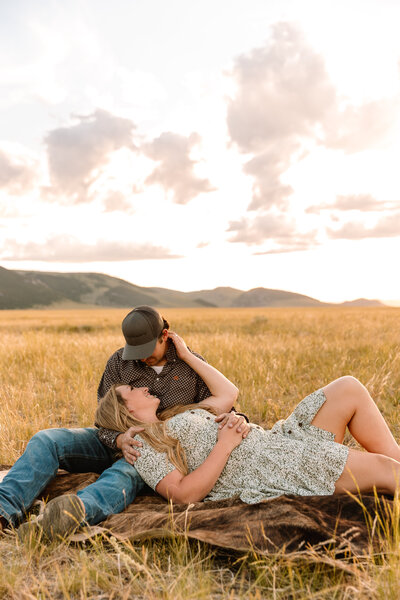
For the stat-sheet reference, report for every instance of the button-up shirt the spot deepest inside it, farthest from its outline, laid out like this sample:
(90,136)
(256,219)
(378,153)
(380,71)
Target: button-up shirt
(176,384)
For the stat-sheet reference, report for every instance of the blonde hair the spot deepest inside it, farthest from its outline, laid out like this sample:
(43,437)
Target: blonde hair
(112,413)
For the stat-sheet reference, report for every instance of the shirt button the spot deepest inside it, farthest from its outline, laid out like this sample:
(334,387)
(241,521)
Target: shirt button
(208,418)
(300,424)
(290,431)
(157,378)
(192,411)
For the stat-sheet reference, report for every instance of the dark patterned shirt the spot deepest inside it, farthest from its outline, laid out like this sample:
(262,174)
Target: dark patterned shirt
(176,384)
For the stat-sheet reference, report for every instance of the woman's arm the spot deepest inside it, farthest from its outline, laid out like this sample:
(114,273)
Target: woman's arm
(224,392)
(196,485)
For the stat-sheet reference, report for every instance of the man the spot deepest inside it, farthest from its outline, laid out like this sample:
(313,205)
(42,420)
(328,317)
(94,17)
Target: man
(148,359)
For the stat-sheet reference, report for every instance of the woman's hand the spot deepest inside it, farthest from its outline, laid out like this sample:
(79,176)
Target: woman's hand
(229,437)
(180,346)
(231,419)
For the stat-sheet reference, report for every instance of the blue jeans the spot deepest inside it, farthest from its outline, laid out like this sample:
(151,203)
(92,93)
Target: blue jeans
(76,451)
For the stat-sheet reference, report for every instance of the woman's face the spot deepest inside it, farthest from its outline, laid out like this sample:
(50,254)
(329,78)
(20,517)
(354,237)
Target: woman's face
(139,402)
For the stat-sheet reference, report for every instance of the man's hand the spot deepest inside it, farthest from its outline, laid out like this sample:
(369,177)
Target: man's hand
(126,443)
(231,419)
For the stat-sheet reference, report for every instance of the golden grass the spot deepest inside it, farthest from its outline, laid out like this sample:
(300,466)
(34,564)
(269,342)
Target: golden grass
(51,362)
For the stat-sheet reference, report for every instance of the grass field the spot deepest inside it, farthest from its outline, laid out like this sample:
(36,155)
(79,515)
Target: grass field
(51,362)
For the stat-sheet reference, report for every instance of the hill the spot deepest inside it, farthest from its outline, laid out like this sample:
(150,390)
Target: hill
(36,289)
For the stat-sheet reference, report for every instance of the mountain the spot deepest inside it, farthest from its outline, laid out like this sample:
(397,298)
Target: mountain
(363,302)
(36,289)
(264,297)
(18,292)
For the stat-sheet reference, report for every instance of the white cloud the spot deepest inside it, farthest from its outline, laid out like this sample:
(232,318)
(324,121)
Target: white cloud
(78,153)
(266,168)
(17,173)
(357,128)
(387,226)
(175,171)
(117,201)
(359,202)
(66,248)
(285,99)
(277,229)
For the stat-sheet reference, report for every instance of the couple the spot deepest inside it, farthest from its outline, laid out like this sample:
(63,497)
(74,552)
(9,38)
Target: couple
(184,454)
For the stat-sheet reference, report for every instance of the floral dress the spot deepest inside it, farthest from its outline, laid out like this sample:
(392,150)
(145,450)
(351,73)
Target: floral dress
(294,457)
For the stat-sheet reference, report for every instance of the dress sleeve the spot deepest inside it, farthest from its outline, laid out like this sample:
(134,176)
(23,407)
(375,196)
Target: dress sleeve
(152,465)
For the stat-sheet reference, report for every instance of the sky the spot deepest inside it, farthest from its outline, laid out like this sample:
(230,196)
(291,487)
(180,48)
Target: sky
(194,144)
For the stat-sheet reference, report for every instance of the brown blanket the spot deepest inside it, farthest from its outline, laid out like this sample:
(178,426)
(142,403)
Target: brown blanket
(285,524)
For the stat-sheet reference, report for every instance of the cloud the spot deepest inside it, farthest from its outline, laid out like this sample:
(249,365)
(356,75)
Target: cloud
(284,100)
(388,226)
(283,89)
(356,128)
(66,248)
(282,92)
(360,202)
(17,173)
(116,201)
(297,246)
(267,168)
(273,228)
(175,171)
(76,154)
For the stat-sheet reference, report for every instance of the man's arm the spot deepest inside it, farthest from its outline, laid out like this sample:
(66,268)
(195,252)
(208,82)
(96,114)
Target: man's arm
(111,375)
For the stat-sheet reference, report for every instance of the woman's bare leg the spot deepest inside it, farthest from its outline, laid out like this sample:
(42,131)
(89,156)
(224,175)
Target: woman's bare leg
(364,471)
(348,403)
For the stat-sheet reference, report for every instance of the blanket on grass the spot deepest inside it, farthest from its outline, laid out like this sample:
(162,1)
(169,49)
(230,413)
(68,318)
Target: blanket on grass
(287,523)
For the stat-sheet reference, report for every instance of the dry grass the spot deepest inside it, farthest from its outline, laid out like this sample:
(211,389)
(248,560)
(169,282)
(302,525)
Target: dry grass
(51,362)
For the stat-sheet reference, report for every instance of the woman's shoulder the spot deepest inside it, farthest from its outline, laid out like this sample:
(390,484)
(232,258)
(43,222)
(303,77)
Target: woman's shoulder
(189,419)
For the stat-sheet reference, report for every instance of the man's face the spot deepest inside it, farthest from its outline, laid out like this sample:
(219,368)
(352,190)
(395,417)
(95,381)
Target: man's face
(157,359)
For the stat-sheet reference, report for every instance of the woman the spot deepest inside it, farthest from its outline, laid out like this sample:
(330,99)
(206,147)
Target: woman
(187,457)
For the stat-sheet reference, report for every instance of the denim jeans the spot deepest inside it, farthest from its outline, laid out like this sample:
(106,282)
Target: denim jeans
(76,451)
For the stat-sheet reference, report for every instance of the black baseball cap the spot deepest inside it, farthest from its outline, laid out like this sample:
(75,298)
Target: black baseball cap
(141,328)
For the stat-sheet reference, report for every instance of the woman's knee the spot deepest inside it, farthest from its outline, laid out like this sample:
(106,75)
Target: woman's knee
(344,387)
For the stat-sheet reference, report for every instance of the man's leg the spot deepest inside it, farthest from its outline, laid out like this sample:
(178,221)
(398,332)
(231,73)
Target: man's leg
(75,450)
(113,491)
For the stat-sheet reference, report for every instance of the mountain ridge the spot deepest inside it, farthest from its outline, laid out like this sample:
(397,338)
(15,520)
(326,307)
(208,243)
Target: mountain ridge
(21,289)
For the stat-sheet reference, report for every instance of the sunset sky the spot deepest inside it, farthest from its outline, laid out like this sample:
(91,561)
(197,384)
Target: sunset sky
(193,144)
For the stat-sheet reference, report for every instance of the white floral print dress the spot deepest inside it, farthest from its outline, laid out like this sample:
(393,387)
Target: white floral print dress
(294,457)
